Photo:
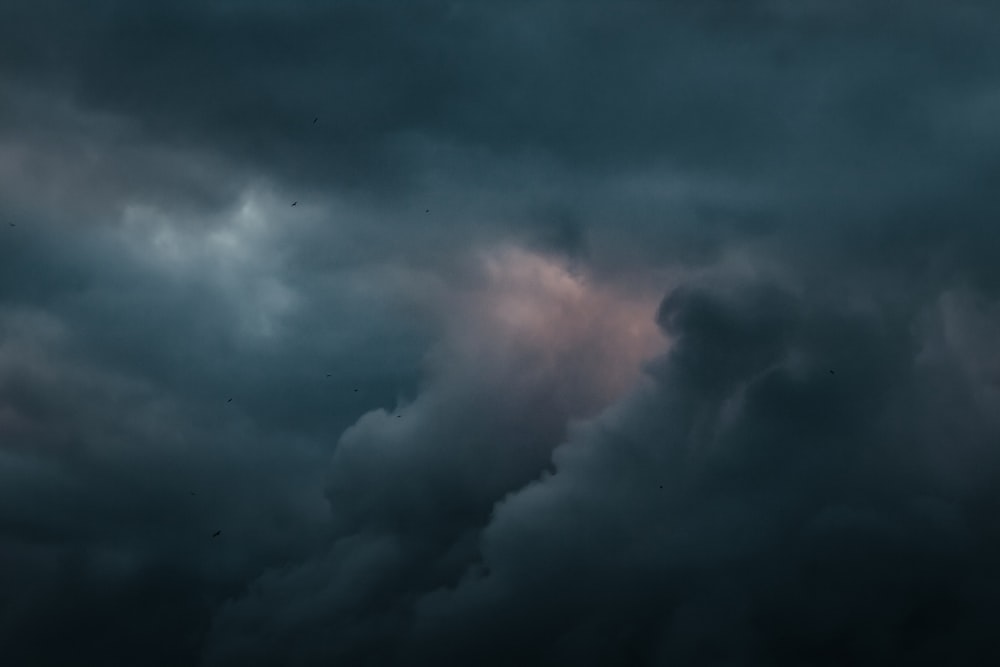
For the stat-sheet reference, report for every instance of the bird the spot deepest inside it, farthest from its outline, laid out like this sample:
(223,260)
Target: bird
(12,224)
(831,372)
(315,119)
(355,390)
(427,210)
(216,534)
(229,400)
(294,203)
(399,416)
(193,493)
(329,374)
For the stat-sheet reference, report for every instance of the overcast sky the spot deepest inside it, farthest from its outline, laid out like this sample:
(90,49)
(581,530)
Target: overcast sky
(564,332)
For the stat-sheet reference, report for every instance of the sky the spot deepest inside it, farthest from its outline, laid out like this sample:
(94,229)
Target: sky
(532,333)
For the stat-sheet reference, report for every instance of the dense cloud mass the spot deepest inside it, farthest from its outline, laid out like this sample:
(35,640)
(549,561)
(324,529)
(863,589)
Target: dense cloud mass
(599,333)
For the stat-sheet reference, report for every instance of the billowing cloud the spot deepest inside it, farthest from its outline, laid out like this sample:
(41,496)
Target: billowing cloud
(631,333)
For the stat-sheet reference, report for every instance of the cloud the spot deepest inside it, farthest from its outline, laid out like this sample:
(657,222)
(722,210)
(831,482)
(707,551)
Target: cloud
(529,347)
(746,505)
(771,513)
(634,334)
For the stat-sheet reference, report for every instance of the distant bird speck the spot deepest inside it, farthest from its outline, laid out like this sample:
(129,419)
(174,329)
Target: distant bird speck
(355,390)
(12,224)
(329,374)
(193,493)
(229,400)
(216,533)
(831,372)
(294,203)
(427,211)
(315,119)
(399,416)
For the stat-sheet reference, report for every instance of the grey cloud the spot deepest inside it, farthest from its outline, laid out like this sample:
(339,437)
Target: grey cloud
(747,506)
(599,87)
(492,204)
(415,484)
(797,528)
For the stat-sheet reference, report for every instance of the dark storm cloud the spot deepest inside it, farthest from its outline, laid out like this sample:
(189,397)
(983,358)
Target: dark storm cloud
(437,450)
(595,86)
(582,99)
(747,507)
(766,513)
(410,488)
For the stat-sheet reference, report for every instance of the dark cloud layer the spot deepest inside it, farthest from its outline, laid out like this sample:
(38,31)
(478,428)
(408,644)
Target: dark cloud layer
(632,333)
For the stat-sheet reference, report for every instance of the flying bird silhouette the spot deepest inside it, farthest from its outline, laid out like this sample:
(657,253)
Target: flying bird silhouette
(229,401)
(294,203)
(831,372)
(315,119)
(216,534)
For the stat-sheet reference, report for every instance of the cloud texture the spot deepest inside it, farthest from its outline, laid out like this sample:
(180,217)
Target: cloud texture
(600,333)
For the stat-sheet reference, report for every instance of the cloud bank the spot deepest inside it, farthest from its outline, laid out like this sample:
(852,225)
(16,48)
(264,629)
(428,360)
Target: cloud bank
(599,333)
